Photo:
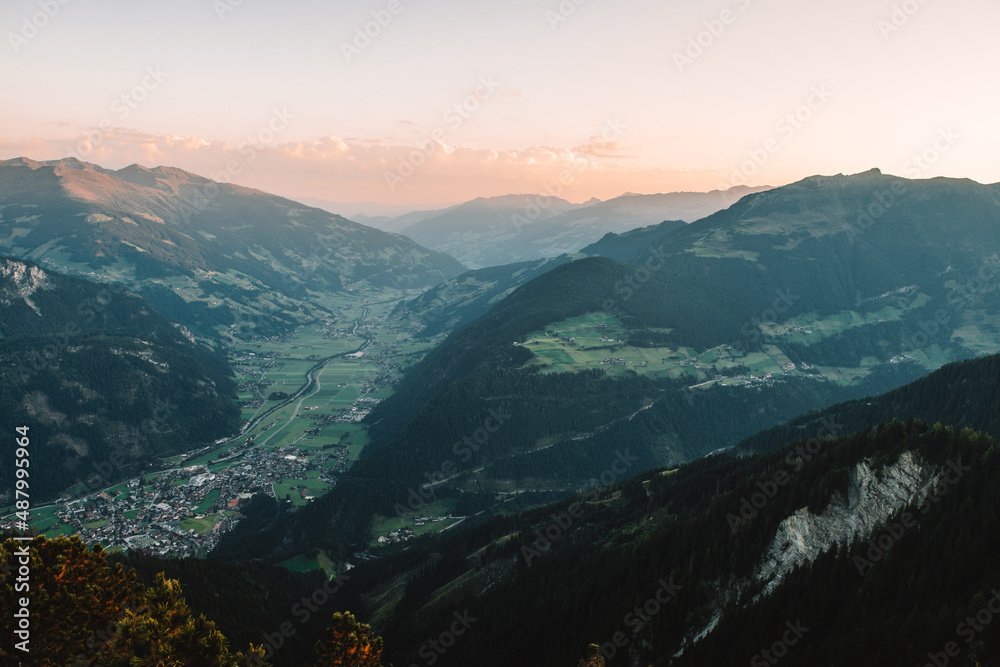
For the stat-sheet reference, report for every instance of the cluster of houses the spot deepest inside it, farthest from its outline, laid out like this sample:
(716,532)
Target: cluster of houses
(185,511)
(396,536)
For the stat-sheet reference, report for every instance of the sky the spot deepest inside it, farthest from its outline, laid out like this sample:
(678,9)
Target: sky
(416,103)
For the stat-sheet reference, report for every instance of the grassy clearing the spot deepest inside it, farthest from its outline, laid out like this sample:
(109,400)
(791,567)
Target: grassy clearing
(294,488)
(302,563)
(435,511)
(597,341)
(209,500)
(200,526)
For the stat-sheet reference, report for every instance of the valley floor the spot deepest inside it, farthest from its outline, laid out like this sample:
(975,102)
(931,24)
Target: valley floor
(303,397)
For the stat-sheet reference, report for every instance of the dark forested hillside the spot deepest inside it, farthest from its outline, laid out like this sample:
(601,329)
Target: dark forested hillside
(965,394)
(105,382)
(465,298)
(927,261)
(644,567)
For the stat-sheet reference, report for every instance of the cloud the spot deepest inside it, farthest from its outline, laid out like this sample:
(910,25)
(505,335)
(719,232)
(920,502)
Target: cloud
(336,169)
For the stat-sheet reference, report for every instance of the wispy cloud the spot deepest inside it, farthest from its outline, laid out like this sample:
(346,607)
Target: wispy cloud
(340,170)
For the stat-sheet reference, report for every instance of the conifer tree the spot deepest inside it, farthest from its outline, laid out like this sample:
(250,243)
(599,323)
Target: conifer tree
(349,643)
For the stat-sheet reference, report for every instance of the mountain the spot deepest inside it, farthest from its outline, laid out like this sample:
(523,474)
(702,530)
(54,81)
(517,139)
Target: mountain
(397,224)
(387,217)
(793,273)
(782,304)
(791,269)
(202,252)
(828,526)
(481,230)
(107,384)
(868,552)
(459,301)
(517,228)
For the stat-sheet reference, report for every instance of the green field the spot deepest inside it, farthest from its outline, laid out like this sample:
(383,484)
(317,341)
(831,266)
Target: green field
(293,488)
(383,525)
(44,519)
(309,422)
(209,500)
(200,526)
(301,563)
(596,341)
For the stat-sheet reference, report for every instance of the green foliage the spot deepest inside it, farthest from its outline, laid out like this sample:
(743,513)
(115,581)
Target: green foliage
(164,631)
(75,597)
(86,611)
(349,643)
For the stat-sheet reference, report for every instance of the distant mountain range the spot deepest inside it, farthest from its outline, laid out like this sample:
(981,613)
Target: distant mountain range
(492,231)
(202,252)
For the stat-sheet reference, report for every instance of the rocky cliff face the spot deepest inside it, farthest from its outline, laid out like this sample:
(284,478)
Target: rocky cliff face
(872,498)
(20,281)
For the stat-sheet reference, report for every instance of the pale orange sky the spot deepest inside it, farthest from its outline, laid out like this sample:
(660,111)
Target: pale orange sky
(614,97)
